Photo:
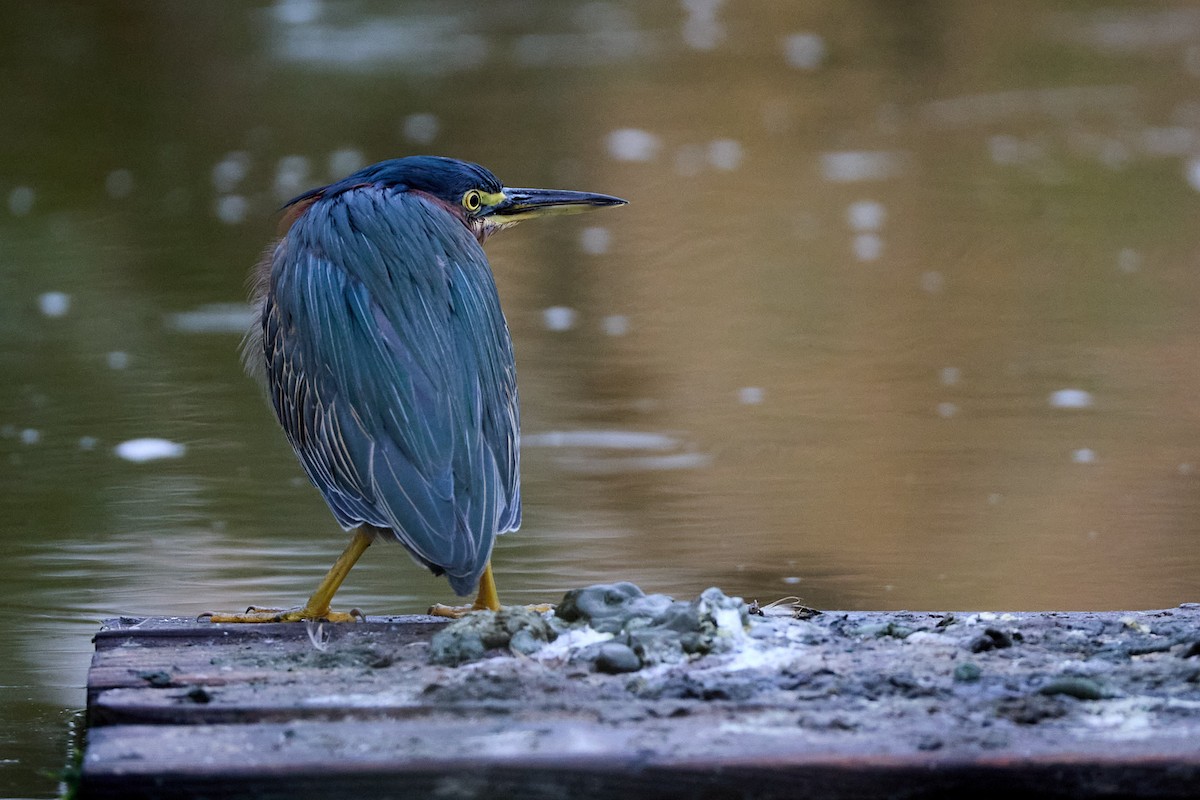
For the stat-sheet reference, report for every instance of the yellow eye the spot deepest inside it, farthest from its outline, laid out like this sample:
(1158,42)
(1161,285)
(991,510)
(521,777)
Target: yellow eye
(472,201)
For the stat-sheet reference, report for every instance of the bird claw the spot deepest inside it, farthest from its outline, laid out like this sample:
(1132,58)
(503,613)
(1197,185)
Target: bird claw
(298,614)
(458,612)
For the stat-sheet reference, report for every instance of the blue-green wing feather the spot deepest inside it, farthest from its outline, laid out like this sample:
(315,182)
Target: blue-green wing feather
(391,370)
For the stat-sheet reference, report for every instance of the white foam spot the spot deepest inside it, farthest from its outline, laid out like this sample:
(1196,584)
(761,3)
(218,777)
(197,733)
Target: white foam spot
(947,410)
(615,325)
(87,442)
(20,201)
(594,240)
(1129,260)
(291,176)
(345,161)
(949,376)
(751,395)
(804,50)
(868,247)
(633,144)
(54,304)
(1083,455)
(932,282)
(606,440)
(119,183)
(558,318)
(420,128)
(851,166)
(231,209)
(1191,171)
(866,215)
(1070,398)
(792,580)
(31,436)
(214,318)
(1186,469)
(149,449)
(297,12)
(725,154)
(118,359)
(230,171)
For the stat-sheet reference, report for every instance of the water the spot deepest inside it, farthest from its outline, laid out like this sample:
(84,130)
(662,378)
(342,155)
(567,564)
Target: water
(903,311)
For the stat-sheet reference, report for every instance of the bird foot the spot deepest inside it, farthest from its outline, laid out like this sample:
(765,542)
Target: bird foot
(458,612)
(297,614)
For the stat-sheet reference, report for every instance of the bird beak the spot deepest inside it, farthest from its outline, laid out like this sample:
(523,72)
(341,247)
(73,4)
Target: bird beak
(523,204)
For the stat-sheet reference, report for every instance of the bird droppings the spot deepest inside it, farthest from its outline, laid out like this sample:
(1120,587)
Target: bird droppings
(620,674)
(611,628)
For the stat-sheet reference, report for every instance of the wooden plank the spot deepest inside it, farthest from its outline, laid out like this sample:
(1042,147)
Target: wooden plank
(848,705)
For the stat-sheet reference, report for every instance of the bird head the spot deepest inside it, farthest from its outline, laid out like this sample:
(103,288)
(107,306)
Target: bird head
(468,191)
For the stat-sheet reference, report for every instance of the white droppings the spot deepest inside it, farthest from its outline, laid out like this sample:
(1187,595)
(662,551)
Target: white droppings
(230,171)
(851,166)
(558,318)
(751,395)
(633,144)
(1129,260)
(866,215)
(594,240)
(1083,455)
(420,128)
(20,201)
(950,376)
(615,325)
(54,304)
(792,580)
(346,161)
(1186,468)
(118,359)
(994,498)
(31,436)
(804,50)
(1070,398)
(725,154)
(868,247)
(932,282)
(947,410)
(231,209)
(119,183)
(149,449)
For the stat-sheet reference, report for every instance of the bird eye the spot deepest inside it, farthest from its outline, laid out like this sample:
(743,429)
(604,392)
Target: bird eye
(472,200)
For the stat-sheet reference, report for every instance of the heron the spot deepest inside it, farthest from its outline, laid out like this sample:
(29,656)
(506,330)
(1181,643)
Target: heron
(385,355)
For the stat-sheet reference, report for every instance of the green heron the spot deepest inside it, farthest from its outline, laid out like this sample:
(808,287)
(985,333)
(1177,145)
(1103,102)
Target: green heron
(389,364)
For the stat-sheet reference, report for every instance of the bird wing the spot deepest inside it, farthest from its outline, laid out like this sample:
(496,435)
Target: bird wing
(391,370)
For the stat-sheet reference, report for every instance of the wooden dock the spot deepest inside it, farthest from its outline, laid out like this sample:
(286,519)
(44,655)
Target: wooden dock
(846,705)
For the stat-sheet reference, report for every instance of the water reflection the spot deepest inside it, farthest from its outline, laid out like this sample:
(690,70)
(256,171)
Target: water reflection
(902,312)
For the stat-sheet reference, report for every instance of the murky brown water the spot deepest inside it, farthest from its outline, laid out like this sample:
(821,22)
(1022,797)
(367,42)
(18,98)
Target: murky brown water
(903,311)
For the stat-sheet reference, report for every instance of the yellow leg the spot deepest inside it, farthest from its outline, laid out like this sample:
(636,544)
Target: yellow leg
(485,600)
(317,606)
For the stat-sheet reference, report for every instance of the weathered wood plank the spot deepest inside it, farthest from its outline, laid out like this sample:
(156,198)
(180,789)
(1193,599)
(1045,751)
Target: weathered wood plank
(847,705)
